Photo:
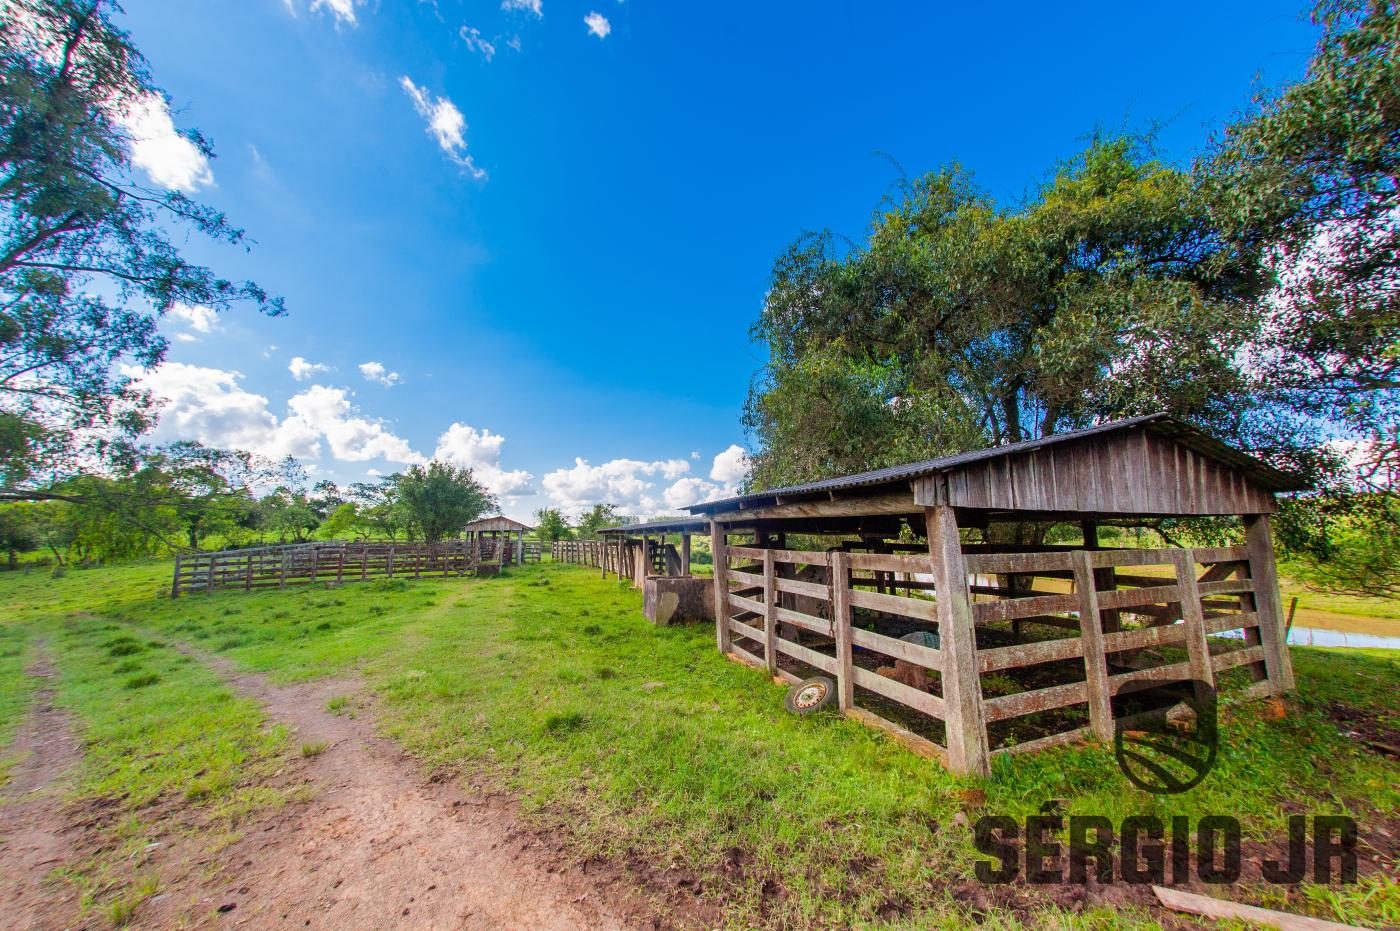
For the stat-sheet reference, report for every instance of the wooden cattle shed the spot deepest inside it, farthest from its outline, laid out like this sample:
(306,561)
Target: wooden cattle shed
(661,569)
(636,551)
(498,539)
(976,648)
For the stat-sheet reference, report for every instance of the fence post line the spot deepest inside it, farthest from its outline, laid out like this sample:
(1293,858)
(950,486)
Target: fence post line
(840,576)
(721,551)
(962,683)
(248,572)
(1091,640)
(175,582)
(1197,647)
(391,560)
(1268,603)
(770,614)
(209,575)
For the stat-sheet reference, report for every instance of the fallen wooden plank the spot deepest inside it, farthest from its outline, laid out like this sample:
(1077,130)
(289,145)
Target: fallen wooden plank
(1220,909)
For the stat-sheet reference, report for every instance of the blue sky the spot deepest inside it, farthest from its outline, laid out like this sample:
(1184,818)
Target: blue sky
(547,238)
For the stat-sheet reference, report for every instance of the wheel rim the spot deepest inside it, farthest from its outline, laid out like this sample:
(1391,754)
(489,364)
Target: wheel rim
(810,695)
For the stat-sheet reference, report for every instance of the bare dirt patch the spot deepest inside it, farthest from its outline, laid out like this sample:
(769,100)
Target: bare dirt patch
(38,835)
(380,845)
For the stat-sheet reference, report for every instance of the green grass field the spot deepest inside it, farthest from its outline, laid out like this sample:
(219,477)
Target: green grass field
(639,744)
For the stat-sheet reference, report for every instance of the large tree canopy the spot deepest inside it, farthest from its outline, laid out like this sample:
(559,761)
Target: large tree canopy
(87,262)
(1310,181)
(960,323)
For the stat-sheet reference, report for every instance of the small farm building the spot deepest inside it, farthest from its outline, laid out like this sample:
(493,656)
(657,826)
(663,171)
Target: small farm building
(498,539)
(897,584)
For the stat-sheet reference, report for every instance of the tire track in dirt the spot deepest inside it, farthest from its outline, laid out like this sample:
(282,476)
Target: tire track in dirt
(37,833)
(380,846)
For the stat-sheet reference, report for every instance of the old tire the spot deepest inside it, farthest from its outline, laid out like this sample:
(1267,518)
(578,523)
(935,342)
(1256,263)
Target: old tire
(811,696)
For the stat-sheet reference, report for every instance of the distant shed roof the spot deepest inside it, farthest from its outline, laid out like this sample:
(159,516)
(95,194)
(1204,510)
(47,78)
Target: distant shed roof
(1153,464)
(673,525)
(499,523)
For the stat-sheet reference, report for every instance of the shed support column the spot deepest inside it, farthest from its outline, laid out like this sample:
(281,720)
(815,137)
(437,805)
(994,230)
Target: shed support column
(685,554)
(962,684)
(642,573)
(1104,579)
(721,555)
(1268,603)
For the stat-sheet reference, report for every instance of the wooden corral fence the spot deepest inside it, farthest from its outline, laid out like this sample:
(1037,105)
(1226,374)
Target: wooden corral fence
(578,552)
(532,551)
(309,563)
(1057,632)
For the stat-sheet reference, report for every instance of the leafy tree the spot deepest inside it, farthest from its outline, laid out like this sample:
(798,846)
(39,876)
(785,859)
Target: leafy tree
(960,323)
(595,519)
(1308,183)
(18,532)
(551,525)
(379,509)
(87,254)
(441,499)
(210,490)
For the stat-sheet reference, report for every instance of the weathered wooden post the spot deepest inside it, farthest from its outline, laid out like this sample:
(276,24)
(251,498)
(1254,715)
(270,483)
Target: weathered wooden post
(685,554)
(1193,618)
(1105,579)
(770,614)
(721,551)
(175,582)
(1091,640)
(962,683)
(1268,602)
(841,622)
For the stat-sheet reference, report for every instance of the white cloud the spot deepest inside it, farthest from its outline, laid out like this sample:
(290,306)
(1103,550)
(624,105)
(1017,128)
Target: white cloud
(688,491)
(328,411)
(598,24)
(480,451)
(445,124)
(194,317)
(623,482)
(472,36)
(171,160)
(375,371)
(302,370)
(532,6)
(731,466)
(342,10)
(210,405)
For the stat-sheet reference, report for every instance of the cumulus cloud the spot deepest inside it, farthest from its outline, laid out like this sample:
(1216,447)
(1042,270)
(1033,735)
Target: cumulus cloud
(352,438)
(529,6)
(445,124)
(598,24)
(210,405)
(476,42)
(461,445)
(196,317)
(628,483)
(302,370)
(376,372)
(731,466)
(168,158)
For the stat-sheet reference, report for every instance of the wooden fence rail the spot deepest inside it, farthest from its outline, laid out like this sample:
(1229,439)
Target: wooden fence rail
(577,552)
(861,617)
(309,563)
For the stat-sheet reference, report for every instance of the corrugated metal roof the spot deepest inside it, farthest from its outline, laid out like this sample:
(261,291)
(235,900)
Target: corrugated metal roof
(677,525)
(1256,469)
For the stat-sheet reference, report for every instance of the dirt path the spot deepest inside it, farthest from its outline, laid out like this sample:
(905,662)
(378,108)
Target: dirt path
(379,846)
(37,836)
